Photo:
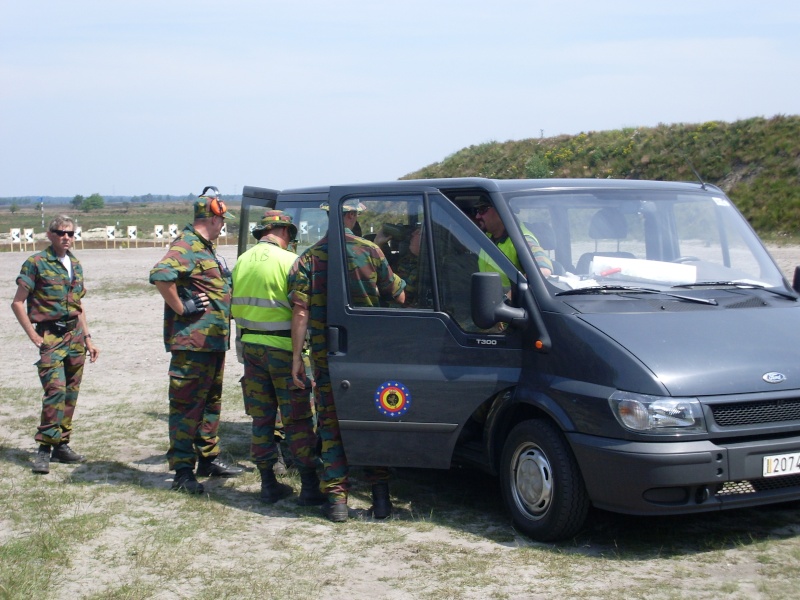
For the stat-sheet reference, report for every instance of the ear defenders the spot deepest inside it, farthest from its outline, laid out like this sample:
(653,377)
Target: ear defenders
(215,205)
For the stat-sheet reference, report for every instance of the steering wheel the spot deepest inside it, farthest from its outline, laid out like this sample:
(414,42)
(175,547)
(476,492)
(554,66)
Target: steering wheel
(683,259)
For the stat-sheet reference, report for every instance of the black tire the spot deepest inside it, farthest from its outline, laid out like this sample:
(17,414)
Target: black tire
(541,484)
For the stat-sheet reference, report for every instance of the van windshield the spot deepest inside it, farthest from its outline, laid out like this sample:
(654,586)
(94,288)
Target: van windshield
(658,238)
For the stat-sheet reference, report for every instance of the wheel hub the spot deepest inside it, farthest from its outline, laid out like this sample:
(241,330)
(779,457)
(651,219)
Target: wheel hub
(533,482)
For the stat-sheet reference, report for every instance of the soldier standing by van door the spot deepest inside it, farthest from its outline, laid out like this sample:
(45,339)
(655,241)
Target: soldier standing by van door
(370,278)
(50,283)
(196,288)
(263,313)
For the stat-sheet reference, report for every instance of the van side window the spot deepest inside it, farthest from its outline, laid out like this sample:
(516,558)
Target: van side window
(312,226)
(394,225)
(458,253)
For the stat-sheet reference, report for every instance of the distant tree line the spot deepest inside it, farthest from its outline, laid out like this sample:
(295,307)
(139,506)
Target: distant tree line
(14,203)
(93,202)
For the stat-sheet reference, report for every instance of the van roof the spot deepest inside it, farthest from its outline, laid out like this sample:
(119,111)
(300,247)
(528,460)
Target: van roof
(511,185)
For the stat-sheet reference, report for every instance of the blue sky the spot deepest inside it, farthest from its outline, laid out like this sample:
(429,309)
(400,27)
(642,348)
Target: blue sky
(125,97)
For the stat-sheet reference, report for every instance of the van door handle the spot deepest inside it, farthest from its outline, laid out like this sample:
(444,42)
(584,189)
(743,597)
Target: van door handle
(333,340)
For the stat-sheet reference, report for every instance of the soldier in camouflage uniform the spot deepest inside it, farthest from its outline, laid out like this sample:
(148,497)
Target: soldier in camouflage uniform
(196,288)
(407,267)
(370,279)
(263,315)
(48,306)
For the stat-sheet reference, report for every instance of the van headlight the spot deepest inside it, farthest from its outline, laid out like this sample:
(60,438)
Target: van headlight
(657,414)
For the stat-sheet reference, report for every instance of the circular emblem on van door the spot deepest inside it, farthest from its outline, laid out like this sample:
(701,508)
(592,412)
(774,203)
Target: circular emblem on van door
(392,399)
(773,377)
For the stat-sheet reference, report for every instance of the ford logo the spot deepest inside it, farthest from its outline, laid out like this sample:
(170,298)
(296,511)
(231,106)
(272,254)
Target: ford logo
(774,377)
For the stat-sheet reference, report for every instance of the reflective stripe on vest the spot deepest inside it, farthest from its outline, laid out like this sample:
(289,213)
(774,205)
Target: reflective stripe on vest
(259,300)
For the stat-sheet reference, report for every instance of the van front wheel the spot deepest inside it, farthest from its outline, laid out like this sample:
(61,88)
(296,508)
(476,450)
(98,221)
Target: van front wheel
(541,483)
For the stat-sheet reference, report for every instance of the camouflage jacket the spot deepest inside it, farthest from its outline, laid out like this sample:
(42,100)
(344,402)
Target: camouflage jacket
(408,270)
(192,264)
(52,295)
(370,278)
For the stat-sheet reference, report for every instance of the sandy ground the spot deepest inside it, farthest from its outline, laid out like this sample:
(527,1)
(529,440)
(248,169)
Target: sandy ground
(125,316)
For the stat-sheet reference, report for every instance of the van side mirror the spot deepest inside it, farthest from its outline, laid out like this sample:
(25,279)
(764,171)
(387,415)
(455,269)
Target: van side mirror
(796,280)
(488,308)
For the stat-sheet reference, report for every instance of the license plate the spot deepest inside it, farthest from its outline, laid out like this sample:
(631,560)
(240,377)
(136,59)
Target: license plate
(781,464)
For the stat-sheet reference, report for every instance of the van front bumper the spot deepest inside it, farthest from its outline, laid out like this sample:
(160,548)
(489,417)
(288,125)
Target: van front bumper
(672,477)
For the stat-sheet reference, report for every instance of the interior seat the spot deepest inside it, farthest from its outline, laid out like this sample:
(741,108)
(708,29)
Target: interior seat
(547,240)
(606,224)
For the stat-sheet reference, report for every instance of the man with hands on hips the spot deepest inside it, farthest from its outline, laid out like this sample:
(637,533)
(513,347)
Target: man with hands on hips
(196,287)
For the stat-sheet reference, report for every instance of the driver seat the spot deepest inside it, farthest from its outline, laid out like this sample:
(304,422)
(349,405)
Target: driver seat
(606,224)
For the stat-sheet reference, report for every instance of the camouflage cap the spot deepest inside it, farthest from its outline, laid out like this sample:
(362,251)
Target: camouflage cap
(274,218)
(352,205)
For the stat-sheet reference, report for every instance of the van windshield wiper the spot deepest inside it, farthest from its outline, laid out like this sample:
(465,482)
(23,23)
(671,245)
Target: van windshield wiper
(623,289)
(742,285)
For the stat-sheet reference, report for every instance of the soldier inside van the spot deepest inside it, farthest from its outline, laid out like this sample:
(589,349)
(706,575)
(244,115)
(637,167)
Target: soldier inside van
(487,219)
(408,239)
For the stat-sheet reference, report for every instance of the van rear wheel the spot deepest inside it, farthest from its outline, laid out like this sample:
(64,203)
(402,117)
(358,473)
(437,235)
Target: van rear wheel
(541,484)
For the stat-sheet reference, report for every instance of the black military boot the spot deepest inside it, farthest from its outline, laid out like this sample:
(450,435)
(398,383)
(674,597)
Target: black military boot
(185,482)
(64,454)
(41,464)
(271,490)
(335,512)
(309,490)
(212,466)
(381,503)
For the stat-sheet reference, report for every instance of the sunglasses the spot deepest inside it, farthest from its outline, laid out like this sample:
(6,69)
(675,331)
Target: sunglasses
(482,209)
(62,233)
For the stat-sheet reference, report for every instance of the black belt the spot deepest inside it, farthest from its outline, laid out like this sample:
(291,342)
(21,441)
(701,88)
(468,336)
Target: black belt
(279,332)
(59,327)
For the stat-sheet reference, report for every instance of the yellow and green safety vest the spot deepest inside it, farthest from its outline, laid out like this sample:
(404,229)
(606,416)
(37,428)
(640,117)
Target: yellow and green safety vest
(260,303)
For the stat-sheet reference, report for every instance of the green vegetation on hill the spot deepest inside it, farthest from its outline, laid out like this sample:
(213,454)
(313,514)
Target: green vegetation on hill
(755,161)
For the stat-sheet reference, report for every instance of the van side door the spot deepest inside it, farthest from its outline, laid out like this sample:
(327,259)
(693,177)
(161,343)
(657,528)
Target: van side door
(407,377)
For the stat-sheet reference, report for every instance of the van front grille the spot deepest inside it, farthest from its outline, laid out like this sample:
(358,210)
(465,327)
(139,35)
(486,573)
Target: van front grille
(752,413)
(735,488)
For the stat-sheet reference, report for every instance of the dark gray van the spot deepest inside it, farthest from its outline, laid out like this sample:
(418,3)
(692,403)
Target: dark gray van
(654,369)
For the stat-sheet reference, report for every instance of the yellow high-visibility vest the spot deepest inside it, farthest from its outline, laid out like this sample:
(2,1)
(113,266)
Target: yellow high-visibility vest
(260,302)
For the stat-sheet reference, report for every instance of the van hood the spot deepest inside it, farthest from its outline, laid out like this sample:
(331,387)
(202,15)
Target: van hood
(711,352)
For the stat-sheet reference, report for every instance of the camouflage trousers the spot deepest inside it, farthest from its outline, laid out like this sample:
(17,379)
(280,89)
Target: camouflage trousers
(375,475)
(60,365)
(334,480)
(195,403)
(270,395)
